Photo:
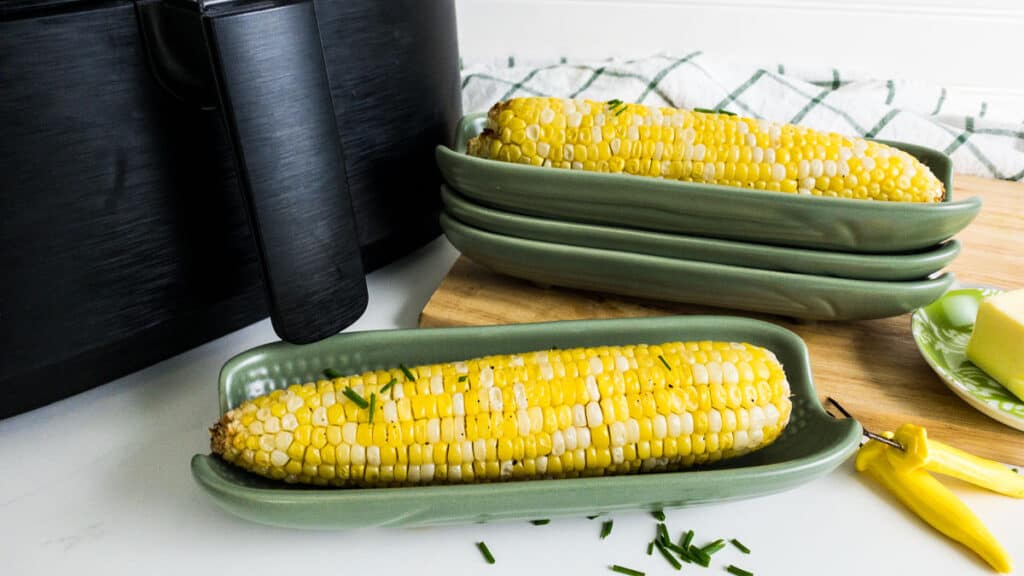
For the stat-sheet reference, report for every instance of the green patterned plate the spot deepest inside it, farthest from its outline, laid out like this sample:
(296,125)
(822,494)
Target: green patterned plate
(941,331)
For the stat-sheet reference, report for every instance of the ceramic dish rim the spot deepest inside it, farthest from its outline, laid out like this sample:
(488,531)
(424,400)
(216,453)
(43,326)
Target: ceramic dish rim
(948,249)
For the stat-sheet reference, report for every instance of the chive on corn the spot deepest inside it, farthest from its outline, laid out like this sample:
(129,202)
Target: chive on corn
(700,146)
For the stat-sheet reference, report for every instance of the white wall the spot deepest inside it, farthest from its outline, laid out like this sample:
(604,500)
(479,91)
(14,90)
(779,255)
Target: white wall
(971,46)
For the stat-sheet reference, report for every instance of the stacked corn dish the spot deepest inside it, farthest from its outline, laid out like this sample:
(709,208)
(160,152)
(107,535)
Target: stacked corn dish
(696,146)
(543,414)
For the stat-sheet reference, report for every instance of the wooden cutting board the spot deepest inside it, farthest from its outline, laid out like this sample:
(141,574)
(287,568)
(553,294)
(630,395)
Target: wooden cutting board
(872,367)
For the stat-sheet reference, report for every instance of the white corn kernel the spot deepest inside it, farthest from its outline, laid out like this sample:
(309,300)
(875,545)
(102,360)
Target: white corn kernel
(632,431)
(390,410)
(686,423)
(569,435)
(582,438)
(593,392)
(594,416)
(660,426)
(617,433)
(268,442)
(348,433)
(714,421)
(675,426)
(288,422)
(319,417)
(278,458)
(557,443)
(283,440)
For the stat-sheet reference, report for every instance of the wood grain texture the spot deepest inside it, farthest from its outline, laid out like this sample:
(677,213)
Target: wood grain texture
(872,367)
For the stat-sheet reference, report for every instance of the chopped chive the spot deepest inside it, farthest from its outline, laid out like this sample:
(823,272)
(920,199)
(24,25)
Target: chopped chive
(621,110)
(540,522)
(681,552)
(606,529)
(650,547)
(486,552)
(740,546)
(463,378)
(659,515)
(710,111)
(738,571)
(373,405)
(668,555)
(687,539)
(594,516)
(713,547)
(626,571)
(389,385)
(663,533)
(331,373)
(355,397)
(408,374)
(662,358)
(699,556)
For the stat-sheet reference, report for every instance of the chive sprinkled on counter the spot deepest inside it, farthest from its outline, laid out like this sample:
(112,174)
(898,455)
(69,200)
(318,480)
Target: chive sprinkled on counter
(739,545)
(540,522)
(663,533)
(659,515)
(713,547)
(738,571)
(626,571)
(486,552)
(668,555)
(606,529)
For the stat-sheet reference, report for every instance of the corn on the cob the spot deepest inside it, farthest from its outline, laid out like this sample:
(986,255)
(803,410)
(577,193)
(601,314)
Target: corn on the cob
(546,414)
(715,148)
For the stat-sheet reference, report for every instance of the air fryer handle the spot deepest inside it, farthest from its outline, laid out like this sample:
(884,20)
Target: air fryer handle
(272,85)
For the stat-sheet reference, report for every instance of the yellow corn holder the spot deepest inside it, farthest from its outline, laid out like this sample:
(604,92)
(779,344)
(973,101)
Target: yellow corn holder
(905,473)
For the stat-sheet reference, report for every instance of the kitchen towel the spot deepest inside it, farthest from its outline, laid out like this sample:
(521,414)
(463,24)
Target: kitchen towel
(981,140)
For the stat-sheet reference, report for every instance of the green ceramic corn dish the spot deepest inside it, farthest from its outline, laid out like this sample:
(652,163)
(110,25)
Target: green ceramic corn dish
(812,445)
(624,200)
(801,296)
(799,260)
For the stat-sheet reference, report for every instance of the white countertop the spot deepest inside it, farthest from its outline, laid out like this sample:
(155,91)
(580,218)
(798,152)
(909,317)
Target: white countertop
(100,483)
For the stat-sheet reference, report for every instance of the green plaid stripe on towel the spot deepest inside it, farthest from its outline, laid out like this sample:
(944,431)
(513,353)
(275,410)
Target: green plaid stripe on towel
(981,140)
